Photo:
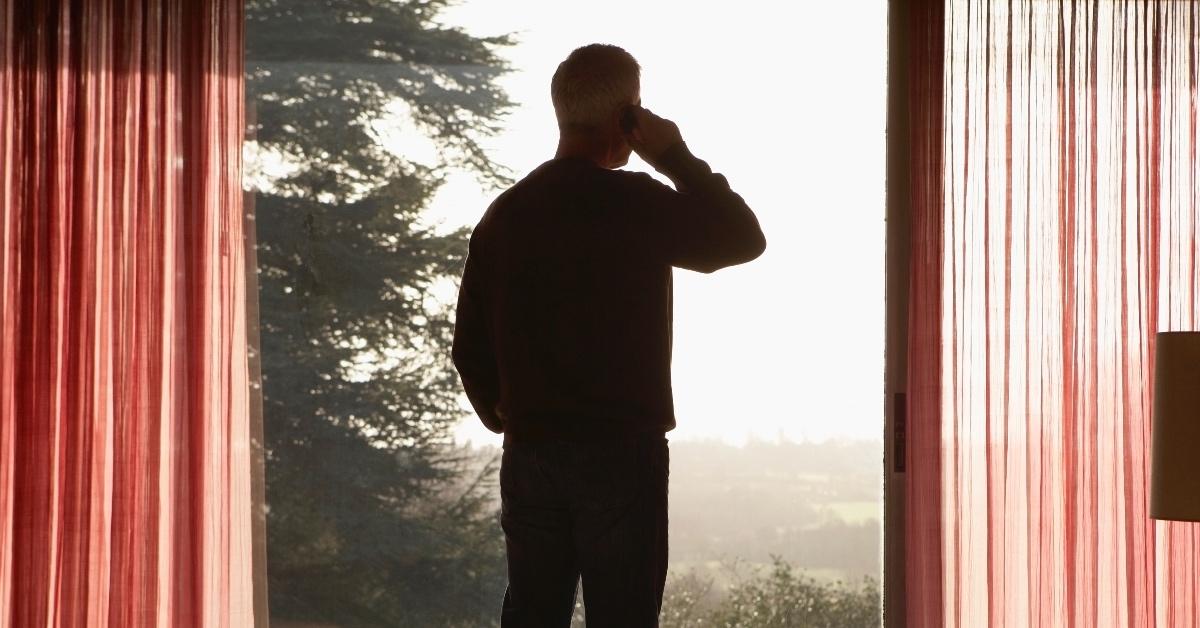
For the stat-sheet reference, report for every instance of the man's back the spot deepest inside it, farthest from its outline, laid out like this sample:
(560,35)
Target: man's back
(564,323)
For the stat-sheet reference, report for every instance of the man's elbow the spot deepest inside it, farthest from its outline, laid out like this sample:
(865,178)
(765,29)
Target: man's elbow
(751,241)
(756,246)
(747,250)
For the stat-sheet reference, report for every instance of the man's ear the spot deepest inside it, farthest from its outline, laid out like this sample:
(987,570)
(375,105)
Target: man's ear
(627,118)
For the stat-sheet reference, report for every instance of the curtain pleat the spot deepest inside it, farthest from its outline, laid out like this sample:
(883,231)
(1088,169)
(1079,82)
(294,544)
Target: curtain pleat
(1053,236)
(124,423)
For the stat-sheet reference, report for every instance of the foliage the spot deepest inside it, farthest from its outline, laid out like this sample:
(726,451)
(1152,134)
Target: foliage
(779,598)
(782,598)
(688,602)
(374,519)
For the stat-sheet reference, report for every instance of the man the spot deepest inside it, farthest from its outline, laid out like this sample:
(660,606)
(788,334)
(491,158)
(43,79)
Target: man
(563,343)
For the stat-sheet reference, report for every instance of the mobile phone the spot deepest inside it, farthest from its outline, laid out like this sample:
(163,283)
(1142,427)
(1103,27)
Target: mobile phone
(629,118)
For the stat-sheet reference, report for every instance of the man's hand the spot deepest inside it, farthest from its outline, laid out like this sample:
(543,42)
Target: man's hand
(652,136)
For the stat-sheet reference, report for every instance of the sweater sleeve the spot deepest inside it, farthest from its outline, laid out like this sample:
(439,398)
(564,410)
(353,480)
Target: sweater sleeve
(702,225)
(473,354)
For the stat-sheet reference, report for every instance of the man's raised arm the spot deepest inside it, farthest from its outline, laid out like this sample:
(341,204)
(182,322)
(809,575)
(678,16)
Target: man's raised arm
(702,225)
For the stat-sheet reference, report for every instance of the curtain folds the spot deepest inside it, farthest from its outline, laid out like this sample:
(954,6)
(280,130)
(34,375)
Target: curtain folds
(124,449)
(1055,222)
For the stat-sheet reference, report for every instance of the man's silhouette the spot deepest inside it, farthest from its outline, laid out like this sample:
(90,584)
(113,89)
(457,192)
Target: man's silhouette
(563,342)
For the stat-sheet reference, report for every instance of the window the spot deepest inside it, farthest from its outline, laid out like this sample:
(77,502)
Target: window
(380,132)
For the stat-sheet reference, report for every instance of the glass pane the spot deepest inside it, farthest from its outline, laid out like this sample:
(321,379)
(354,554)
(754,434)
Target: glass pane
(382,130)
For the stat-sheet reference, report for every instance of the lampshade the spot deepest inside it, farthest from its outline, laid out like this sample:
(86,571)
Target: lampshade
(1175,465)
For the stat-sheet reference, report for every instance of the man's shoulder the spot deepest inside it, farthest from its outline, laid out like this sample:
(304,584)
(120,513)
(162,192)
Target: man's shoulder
(639,182)
(553,183)
(508,196)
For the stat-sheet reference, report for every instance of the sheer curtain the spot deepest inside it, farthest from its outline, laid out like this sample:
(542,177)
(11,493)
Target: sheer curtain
(124,450)
(1055,231)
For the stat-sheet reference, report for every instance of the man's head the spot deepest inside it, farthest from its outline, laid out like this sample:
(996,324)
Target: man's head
(589,89)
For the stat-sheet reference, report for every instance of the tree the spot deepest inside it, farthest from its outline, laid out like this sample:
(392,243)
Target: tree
(372,518)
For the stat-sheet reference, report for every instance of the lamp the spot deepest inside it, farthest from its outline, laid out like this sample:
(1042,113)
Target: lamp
(1175,461)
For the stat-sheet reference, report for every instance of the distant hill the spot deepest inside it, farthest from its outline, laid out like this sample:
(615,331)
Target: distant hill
(815,505)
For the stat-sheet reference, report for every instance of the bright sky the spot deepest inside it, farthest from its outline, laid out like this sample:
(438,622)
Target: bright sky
(787,99)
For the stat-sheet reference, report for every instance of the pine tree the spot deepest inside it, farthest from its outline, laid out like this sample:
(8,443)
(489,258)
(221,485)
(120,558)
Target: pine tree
(373,518)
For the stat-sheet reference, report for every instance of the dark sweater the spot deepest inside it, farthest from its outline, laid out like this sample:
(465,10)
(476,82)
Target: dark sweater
(564,311)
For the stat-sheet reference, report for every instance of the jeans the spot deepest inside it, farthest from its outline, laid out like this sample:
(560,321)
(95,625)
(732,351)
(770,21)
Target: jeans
(592,510)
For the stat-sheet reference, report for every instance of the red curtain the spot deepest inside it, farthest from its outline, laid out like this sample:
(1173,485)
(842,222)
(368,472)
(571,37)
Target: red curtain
(124,449)
(1055,211)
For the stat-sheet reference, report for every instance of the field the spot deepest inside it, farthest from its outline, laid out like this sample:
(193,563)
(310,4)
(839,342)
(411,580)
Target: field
(816,505)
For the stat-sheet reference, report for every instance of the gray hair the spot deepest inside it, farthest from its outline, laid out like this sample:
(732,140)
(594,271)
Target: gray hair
(592,84)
